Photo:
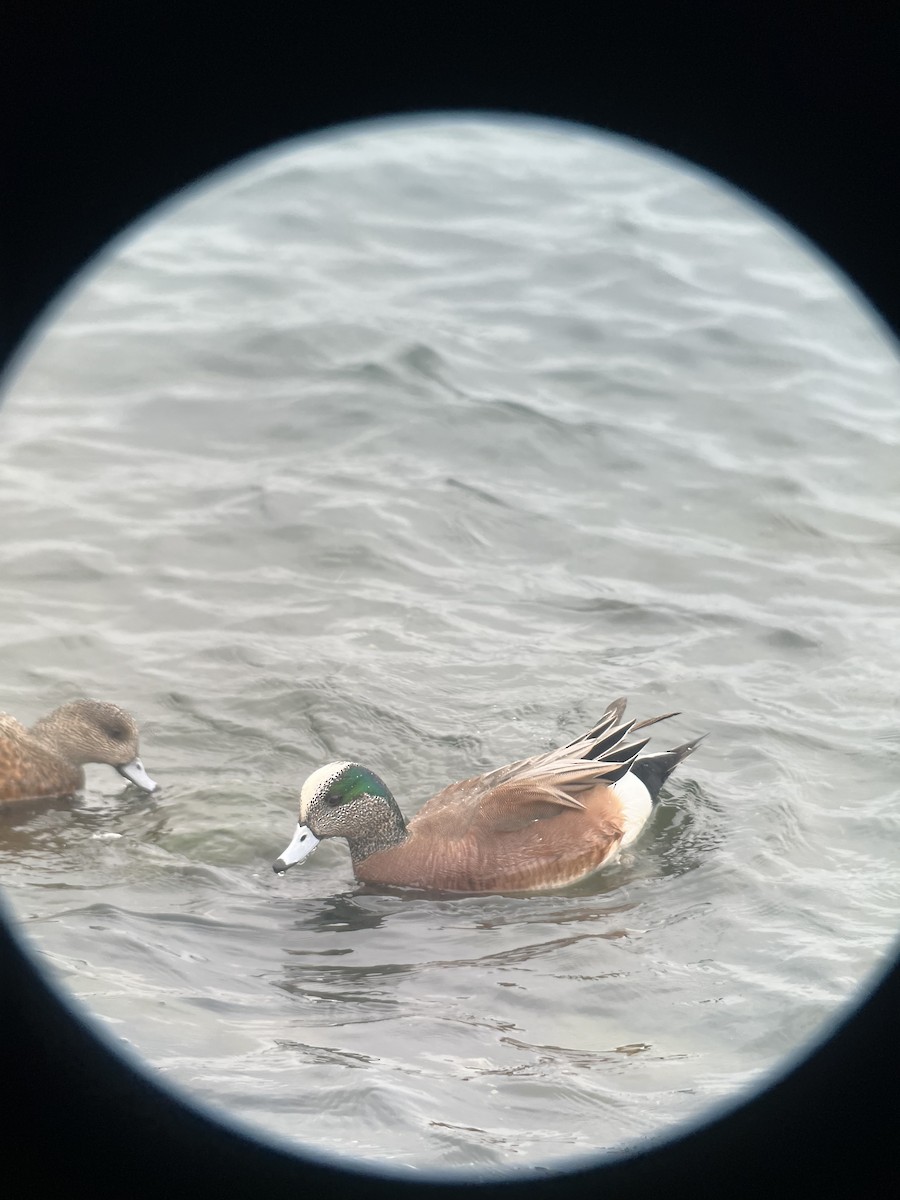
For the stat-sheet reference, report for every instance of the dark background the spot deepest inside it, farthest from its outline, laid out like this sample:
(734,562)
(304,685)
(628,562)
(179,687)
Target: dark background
(107,108)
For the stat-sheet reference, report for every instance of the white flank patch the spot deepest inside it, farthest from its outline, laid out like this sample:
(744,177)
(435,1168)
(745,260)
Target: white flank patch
(636,806)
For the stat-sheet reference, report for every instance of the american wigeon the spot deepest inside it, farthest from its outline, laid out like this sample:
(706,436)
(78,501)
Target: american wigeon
(47,761)
(541,823)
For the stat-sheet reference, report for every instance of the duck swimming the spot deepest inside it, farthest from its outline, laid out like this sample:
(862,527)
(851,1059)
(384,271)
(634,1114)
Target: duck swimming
(537,824)
(46,762)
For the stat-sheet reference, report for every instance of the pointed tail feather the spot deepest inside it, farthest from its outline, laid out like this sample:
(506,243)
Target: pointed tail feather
(654,769)
(611,715)
(653,720)
(628,752)
(602,745)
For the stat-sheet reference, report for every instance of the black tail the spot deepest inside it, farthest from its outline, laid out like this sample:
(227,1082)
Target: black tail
(654,769)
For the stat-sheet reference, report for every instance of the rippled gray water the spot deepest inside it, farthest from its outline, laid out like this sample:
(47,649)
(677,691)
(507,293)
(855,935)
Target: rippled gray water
(418,447)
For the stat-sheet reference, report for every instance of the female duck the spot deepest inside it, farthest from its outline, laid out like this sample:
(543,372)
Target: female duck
(541,823)
(47,761)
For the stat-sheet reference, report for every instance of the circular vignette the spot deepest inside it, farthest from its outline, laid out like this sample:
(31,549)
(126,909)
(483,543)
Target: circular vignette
(70,1083)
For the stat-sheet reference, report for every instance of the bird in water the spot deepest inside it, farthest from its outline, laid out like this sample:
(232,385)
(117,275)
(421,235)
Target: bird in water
(541,823)
(46,762)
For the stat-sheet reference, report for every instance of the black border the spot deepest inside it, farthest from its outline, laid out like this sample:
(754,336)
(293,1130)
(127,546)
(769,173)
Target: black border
(108,108)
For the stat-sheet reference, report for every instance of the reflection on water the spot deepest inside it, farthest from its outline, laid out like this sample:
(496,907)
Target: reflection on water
(419,447)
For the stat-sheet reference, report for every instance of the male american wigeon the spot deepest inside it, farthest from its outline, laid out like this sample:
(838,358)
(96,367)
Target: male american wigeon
(541,823)
(46,762)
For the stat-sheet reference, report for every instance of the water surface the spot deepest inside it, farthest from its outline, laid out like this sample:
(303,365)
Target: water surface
(419,446)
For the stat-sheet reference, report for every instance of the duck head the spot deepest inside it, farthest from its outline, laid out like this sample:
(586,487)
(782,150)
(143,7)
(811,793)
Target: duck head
(344,799)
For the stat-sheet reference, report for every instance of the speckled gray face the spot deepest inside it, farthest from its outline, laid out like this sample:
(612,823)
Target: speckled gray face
(322,788)
(344,799)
